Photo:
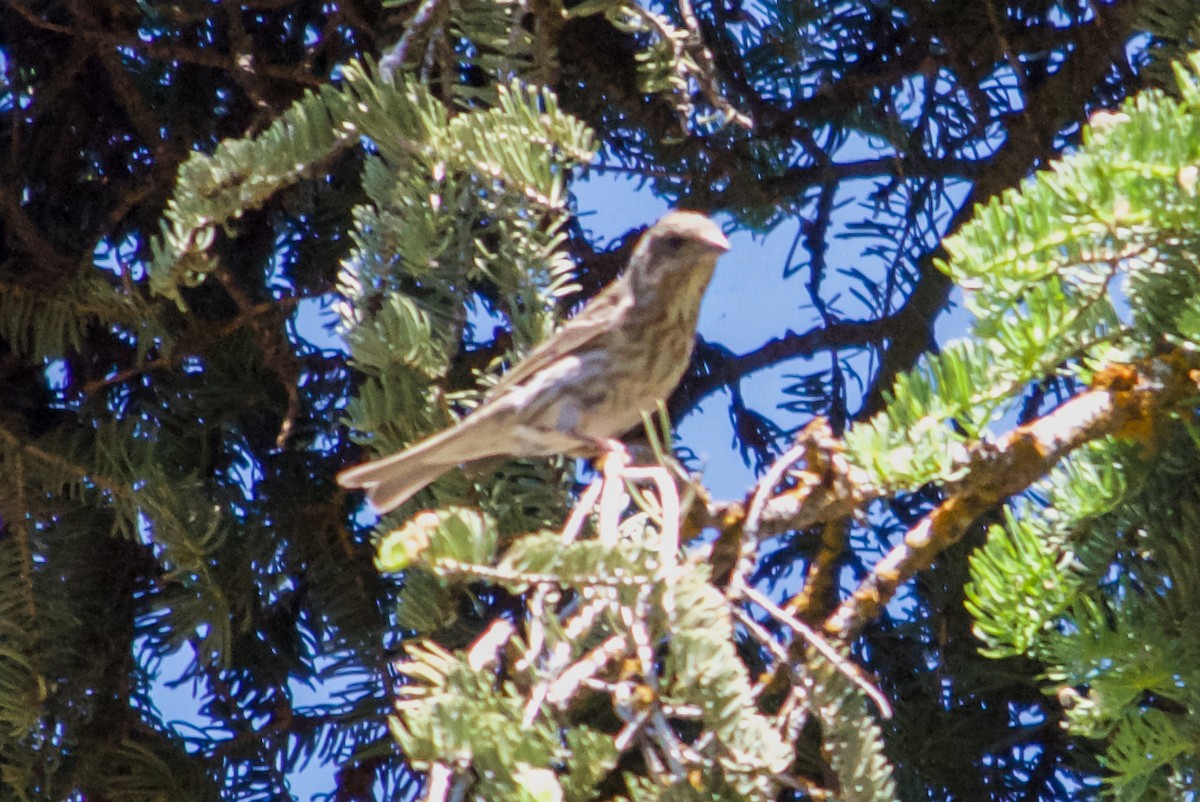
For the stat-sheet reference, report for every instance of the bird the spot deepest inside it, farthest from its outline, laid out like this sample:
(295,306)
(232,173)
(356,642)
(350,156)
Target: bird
(589,382)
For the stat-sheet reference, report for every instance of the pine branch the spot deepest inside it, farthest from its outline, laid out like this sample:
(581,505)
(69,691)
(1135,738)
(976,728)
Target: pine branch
(1125,401)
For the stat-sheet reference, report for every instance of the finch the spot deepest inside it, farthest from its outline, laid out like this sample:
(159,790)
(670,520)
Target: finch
(589,382)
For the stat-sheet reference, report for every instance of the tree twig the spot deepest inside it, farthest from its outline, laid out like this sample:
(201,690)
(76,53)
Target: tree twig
(1125,400)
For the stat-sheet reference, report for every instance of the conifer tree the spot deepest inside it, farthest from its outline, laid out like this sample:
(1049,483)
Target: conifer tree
(965,571)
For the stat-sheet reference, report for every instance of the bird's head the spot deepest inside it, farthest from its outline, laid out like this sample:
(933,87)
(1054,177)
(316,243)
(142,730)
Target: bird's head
(679,246)
(691,231)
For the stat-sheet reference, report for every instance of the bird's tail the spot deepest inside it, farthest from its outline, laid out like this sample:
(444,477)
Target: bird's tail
(391,481)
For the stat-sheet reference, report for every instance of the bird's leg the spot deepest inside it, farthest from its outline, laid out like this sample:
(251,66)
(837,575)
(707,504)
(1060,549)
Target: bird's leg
(612,463)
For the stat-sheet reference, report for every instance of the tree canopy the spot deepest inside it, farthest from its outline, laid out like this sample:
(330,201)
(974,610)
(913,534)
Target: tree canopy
(968,574)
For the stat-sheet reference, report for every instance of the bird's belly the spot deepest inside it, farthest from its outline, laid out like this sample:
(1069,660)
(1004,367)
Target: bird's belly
(589,395)
(610,398)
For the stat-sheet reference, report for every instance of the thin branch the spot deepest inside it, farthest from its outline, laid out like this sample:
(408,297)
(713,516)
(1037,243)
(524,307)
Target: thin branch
(838,660)
(1126,400)
(79,472)
(828,489)
(707,75)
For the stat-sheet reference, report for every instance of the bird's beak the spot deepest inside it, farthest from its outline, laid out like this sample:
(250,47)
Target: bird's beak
(716,239)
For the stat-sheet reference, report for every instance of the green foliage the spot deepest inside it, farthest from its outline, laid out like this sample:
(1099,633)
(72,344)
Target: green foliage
(625,650)
(451,534)
(851,737)
(1028,573)
(167,436)
(465,209)
(239,176)
(1124,658)
(1028,324)
(1039,264)
(668,59)
(471,208)
(61,322)
(1092,262)
(462,716)
(1176,24)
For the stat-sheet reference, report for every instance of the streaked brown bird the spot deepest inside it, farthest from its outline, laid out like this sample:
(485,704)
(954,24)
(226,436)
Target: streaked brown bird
(590,381)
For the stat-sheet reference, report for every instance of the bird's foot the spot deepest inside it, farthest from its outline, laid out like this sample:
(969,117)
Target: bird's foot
(614,456)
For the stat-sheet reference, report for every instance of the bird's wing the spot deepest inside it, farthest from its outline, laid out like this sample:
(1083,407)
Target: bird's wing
(597,316)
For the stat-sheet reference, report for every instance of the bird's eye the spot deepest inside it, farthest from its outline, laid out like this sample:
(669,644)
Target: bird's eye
(673,243)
